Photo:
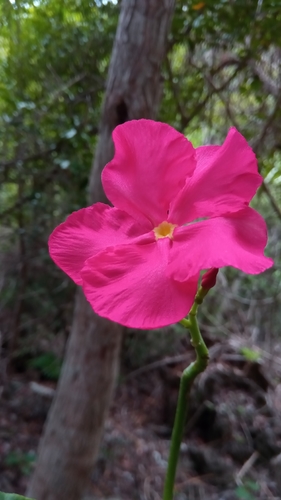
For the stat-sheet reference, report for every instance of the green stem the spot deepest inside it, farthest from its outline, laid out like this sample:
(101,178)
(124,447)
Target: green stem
(187,378)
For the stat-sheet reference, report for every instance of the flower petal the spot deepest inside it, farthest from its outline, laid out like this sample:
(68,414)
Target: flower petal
(236,240)
(88,231)
(129,284)
(150,166)
(225,180)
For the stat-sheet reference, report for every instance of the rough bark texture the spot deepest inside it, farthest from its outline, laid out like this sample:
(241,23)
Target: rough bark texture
(70,443)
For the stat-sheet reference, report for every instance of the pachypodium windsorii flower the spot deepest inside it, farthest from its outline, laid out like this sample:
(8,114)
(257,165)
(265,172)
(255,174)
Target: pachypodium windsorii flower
(177,210)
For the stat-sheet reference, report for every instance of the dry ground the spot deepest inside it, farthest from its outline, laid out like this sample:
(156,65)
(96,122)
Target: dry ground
(231,445)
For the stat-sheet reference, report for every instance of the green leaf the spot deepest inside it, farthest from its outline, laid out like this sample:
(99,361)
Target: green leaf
(250,354)
(243,494)
(252,485)
(12,496)
(247,491)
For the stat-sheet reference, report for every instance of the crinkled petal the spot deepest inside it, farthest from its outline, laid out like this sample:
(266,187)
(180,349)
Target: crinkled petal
(88,231)
(151,164)
(225,180)
(129,284)
(236,240)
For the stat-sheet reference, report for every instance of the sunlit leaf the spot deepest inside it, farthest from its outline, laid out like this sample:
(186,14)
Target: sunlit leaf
(198,6)
(250,354)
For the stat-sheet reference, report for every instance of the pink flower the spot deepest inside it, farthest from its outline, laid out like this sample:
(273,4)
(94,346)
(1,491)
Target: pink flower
(139,261)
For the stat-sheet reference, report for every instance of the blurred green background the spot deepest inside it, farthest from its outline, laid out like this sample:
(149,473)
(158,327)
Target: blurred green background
(222,68)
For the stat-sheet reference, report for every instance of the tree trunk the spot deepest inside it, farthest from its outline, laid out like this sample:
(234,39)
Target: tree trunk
(73,430)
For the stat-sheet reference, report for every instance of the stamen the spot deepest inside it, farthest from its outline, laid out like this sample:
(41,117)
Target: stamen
(164,230)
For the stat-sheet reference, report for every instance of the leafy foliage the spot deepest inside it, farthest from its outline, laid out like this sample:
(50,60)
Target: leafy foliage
(222,68)
(247,491)
(54,61)
(24,461)
(48,364)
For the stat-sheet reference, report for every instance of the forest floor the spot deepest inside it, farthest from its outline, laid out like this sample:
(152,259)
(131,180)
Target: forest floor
(231,448)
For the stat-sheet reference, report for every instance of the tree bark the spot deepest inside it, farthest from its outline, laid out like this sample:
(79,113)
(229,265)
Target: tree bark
(73,430)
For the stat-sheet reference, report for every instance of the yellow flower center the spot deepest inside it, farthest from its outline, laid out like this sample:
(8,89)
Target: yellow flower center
(164,230)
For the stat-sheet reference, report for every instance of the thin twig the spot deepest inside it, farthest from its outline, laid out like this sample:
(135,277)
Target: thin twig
(272,200)
(246,467)
(258,143)
(158,364)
